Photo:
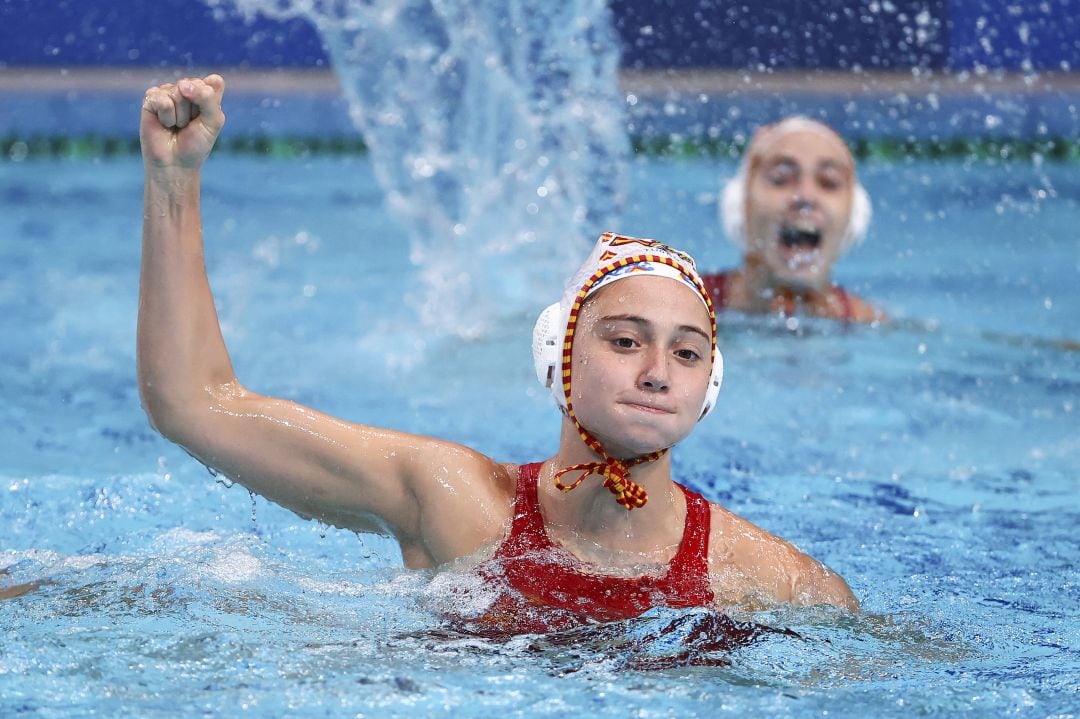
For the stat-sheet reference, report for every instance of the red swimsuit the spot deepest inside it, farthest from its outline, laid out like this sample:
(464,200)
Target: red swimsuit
(716,286)
(551,589)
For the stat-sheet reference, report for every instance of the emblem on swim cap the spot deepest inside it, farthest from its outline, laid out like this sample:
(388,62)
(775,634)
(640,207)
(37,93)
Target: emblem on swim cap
(614,257)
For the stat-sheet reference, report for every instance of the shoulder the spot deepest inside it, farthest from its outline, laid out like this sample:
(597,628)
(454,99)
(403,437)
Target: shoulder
(452,472)
(466,500)
(770,567)
(857,309)
(737,539)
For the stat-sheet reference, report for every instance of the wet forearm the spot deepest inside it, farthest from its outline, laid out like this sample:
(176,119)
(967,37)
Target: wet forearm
(180,349)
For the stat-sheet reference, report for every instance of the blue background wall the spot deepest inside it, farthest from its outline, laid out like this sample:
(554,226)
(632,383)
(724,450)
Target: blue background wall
(780,34)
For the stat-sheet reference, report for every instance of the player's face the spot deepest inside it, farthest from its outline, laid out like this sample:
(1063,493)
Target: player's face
(798,206)
(641,361)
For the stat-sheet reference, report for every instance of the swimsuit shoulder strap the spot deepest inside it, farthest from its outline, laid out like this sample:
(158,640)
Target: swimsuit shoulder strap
(692,558)
(716,285)
(845,299)
(527,528)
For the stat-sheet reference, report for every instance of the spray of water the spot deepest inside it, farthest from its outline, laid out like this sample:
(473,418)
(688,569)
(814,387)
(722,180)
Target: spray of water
(496,130)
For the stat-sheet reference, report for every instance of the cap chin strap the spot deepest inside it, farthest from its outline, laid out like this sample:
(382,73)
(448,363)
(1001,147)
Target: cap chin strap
(616,473)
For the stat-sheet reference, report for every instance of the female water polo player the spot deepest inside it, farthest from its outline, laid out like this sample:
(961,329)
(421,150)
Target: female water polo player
(599,531)
(793,209)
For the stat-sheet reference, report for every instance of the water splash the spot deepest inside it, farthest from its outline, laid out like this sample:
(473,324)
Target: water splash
(495,128)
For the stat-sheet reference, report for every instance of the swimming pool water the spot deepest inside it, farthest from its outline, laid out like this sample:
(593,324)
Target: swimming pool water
(931,462)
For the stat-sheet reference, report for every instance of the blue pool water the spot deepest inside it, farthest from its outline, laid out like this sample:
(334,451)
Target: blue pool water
(932,462)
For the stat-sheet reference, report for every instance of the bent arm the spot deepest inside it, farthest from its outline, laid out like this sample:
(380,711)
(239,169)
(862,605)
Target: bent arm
(181,355)
(775,569)
(415,488)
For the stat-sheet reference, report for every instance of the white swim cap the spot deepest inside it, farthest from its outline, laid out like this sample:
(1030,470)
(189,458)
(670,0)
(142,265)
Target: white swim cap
(613,258)
(732,206)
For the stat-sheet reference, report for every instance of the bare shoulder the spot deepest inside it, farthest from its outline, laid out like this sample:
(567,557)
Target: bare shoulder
(465,500)
(763,564)
(863,311)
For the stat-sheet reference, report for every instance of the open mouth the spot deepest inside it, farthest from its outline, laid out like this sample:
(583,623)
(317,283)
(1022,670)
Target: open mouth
(795,237)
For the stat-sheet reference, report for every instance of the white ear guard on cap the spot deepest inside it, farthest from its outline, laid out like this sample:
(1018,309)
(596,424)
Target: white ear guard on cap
(716,378)
(549,333)
(547,349)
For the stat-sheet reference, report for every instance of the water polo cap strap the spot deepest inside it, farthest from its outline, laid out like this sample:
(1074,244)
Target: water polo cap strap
(616,472)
